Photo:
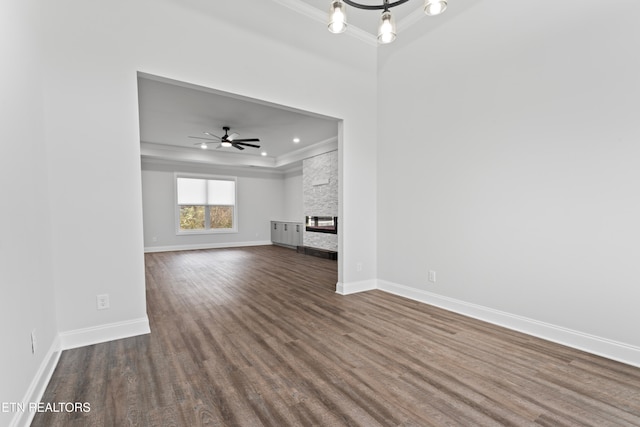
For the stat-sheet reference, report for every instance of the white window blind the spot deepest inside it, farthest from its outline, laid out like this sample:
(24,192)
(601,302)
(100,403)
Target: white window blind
(194,191)
(221,192)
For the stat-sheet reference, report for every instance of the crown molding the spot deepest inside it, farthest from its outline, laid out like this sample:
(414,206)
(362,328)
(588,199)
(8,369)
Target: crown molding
(319,16)
(159,153)
(410,20)
(190,155)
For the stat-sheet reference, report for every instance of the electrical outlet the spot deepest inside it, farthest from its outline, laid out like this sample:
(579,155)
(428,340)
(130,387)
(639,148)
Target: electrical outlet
(432,276)
(34,343)
(102,301)
(359,266)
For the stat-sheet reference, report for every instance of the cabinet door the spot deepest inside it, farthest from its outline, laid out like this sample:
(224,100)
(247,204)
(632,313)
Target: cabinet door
(288,233)
(276,232)
(298,235)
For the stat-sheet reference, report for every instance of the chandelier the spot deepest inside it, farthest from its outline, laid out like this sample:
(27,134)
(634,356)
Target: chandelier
(387,26)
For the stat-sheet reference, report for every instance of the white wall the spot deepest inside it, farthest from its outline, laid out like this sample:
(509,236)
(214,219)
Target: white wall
(26,302)
(83,157)
(517,177)
(260,200)
(94,50)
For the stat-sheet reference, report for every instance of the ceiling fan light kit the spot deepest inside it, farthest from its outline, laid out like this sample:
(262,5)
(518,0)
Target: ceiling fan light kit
(387,26)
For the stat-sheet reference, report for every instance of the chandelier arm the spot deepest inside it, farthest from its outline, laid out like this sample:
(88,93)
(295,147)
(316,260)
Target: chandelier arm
(385,5)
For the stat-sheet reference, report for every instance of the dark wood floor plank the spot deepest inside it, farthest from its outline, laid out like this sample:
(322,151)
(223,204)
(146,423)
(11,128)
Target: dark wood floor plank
(258,337)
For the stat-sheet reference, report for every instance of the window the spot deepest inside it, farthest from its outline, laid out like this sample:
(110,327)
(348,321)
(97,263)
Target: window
(206,205)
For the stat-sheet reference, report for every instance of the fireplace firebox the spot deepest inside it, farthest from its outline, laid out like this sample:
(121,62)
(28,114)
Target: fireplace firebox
(322,224)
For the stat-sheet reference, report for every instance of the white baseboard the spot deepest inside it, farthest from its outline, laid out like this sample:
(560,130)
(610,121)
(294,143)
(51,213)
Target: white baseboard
(104,333)
(610,349)
(66,341)
(355,287)
(38,385)
(191,247)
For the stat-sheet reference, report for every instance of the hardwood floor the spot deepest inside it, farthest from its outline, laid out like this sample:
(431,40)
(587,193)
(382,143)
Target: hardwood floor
(257,336)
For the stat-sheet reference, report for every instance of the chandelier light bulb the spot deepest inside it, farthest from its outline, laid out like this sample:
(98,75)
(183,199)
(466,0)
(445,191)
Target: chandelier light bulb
(434,7)
(337,17)
(387,28)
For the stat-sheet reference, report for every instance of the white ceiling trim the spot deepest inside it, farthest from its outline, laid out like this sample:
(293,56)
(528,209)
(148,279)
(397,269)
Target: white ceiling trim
(318,15)
(150,150)
(410,19)
(212,157)
(150,163)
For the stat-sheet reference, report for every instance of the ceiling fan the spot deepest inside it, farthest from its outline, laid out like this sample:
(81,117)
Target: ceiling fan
(227,140)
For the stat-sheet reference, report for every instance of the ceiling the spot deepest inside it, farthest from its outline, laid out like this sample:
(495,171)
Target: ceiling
(367,20)
(361,23)
(171,111)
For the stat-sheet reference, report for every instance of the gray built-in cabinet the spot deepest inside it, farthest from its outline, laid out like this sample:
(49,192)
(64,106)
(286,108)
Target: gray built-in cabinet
(286,233)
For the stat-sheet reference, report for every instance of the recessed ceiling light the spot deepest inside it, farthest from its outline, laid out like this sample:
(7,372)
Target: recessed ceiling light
(264,153)
(296,140)
(203,145)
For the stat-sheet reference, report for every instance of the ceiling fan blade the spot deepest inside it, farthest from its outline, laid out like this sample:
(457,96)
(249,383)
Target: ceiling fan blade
(206,139)
(237,146)
(248,145)
(233,136)
(210,134)
(247,140)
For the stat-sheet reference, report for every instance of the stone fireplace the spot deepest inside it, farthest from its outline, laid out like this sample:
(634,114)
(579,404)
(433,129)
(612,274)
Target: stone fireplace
(320,201)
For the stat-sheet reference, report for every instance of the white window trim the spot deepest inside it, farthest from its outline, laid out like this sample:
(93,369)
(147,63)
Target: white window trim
(180,232)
